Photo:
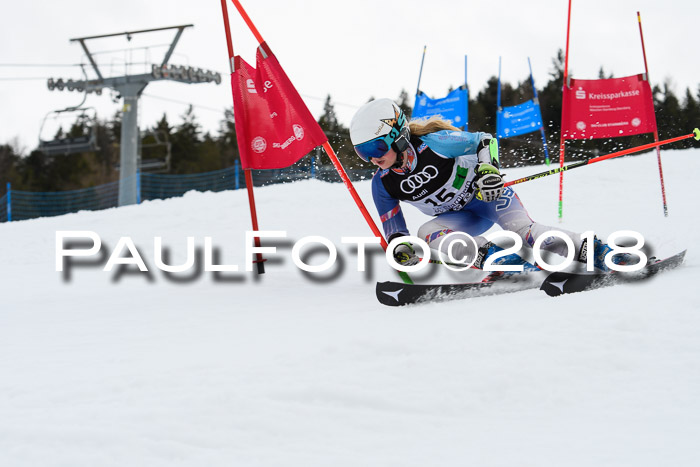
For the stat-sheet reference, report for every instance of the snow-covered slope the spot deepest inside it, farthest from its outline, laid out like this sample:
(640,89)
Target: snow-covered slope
(150,369)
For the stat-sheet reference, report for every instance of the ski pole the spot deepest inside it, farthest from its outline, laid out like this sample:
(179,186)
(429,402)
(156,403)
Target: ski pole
(695,134)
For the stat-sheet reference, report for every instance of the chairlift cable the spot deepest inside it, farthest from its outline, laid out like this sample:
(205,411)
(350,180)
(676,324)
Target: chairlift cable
(25,78)
(29,65)
(198,106)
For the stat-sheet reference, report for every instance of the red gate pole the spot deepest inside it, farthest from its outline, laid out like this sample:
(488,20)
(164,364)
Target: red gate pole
(344,176)
(656,130)
(248,174)
(562,141)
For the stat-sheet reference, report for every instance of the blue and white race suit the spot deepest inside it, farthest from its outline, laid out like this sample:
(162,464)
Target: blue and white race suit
(438,180)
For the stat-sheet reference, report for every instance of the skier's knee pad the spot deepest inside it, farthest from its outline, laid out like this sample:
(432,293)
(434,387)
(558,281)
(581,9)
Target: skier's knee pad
(524,231)
(433,234)
(463,248)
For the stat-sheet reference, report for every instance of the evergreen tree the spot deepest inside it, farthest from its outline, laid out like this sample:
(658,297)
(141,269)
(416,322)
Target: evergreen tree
(339,138)
(106,157)
(9,163)
(33,172)
(115,126)
(602,75)
(163,128)
(484,116)
(208,154)
(404,103)
(228,144)
(329,119)
(550,98)
(185,144)
(668,112)
(690,115)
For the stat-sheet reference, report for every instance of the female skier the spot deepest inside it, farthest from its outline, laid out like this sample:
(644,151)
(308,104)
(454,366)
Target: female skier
(452,175)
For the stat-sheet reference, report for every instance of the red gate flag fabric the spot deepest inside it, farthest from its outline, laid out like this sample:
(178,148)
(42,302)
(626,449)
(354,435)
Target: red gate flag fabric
(274,128)
(608,108)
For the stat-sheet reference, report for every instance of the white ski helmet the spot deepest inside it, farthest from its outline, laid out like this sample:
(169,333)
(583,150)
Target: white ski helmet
(378,126)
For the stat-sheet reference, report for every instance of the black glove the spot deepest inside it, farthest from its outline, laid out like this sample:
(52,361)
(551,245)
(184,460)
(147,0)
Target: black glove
(405,255)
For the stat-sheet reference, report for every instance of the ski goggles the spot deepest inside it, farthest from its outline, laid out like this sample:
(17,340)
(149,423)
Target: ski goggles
(379,146)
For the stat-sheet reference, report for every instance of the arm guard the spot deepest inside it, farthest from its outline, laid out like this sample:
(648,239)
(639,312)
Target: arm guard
(487,151)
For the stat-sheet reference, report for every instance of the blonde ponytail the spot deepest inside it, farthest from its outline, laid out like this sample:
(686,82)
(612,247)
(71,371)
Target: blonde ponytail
(422,127)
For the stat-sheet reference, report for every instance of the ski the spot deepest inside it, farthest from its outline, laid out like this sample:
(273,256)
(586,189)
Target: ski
(559,283)
(398,294)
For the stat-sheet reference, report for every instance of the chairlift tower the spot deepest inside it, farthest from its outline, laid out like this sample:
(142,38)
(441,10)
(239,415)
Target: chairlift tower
(130,88)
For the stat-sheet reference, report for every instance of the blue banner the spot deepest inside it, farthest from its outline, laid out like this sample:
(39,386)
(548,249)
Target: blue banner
(518,119)
(452,107)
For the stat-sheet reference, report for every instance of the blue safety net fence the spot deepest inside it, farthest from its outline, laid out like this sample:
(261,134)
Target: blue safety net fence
(20,205)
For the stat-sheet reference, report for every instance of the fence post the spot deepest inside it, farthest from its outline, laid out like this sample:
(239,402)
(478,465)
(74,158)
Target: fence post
(9,202)
(236,170)
(138,186)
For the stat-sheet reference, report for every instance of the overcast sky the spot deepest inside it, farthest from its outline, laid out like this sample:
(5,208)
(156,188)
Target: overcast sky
(351,50)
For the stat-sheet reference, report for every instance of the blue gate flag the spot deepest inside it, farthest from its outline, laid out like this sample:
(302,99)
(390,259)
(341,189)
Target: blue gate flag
(518,119)
(452,107)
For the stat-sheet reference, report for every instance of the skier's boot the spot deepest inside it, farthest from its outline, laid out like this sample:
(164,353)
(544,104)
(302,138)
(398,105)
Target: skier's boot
(509,260)
(600,251)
